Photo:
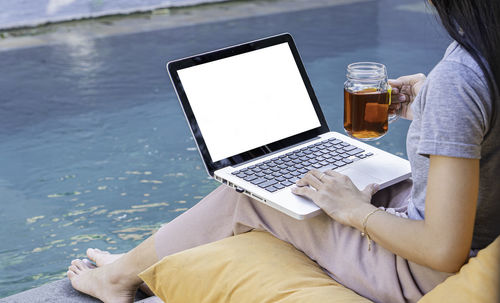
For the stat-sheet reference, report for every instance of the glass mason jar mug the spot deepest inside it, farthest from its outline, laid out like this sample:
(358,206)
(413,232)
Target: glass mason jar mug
(367,97)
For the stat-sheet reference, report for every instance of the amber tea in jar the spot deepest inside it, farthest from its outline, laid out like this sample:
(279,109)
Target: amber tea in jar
(367,97)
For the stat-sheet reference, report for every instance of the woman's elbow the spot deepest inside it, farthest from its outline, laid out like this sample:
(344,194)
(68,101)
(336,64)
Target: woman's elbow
(448,260)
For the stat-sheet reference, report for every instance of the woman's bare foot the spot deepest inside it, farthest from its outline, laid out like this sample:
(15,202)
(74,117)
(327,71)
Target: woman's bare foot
(104,283)
(102,257)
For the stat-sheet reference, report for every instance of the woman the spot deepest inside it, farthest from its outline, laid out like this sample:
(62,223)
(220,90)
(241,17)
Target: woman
(428,230)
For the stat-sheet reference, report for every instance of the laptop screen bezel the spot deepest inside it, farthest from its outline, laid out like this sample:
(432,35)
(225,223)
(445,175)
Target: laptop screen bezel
(210,165)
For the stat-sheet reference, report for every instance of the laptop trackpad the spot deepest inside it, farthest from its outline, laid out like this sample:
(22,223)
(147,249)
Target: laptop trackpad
(360,179)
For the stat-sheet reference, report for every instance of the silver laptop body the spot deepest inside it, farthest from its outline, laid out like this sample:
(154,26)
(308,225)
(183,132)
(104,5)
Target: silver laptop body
(259,127)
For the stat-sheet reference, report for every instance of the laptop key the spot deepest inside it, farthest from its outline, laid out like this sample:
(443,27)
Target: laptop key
(286,183)
(241,175)
(348,161)
(317,165)
(294,173)
(280,179)
(309,168)
(332,166)
(288,176)
(284,172)
(278,186)
(268,183)
(269,177)
(298,166)
(324,163)
(276,168)
(313,161)
(340,163)
(330,160)
(294,179)
(276,174)
(258,181)
(349,147)
(369,154)
(271,189)
(303,171)
(260,174)
(356,151)
(250,178)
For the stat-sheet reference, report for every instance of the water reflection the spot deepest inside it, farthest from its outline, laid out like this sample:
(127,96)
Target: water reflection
(55,6)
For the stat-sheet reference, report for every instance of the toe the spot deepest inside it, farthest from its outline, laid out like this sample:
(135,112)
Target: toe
(91,253)
(88,263)
(78,264)
(70,274)
(73,269)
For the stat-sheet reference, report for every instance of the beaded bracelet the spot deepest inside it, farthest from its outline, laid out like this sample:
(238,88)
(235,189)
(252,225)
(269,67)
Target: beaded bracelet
(364,232)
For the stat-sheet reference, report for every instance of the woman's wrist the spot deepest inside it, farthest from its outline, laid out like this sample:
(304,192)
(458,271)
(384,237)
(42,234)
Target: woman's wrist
(359,214)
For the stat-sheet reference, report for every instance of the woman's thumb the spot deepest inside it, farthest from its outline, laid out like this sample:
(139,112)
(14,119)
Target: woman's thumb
(371,189)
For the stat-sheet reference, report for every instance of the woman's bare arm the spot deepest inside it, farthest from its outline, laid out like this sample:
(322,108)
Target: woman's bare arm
(441,241)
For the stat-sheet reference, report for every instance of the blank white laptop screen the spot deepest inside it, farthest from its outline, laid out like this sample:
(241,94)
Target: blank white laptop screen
(248,100)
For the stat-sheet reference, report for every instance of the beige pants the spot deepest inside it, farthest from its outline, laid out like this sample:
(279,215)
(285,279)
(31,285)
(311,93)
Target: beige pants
(377,274)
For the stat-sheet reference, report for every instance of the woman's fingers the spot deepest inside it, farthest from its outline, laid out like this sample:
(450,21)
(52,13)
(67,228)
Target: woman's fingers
(305,191)
(312,178)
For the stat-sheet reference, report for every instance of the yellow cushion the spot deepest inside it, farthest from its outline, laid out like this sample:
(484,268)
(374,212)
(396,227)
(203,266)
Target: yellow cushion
(478,281)
(251,267)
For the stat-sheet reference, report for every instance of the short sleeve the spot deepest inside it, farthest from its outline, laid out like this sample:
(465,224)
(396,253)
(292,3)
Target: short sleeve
(454,118)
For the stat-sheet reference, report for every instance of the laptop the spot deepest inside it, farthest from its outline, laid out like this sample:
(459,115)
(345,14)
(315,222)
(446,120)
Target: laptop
(259,127)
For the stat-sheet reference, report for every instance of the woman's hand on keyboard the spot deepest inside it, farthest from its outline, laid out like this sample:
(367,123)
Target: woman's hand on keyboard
(337,196)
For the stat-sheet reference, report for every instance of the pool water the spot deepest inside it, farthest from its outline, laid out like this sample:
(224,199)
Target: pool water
(95,150)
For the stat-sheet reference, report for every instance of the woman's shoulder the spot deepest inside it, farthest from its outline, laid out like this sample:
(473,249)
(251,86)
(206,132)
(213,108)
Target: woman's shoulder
(459,69)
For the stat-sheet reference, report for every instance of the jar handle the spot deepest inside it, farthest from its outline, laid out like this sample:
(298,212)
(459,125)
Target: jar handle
(395,116)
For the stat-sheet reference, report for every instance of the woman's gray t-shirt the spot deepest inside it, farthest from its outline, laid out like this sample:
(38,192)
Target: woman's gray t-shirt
(451,116)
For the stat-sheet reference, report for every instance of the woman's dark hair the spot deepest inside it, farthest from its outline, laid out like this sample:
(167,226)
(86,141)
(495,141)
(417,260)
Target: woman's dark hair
(475,25)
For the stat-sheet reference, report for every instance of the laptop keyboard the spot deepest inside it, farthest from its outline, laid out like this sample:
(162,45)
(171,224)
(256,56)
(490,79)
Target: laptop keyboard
(283,171)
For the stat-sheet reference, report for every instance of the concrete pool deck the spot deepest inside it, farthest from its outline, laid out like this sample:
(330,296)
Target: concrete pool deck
(166,18)
(61,291)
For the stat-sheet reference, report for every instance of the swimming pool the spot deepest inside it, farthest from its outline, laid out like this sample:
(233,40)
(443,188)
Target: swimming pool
(95,150)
